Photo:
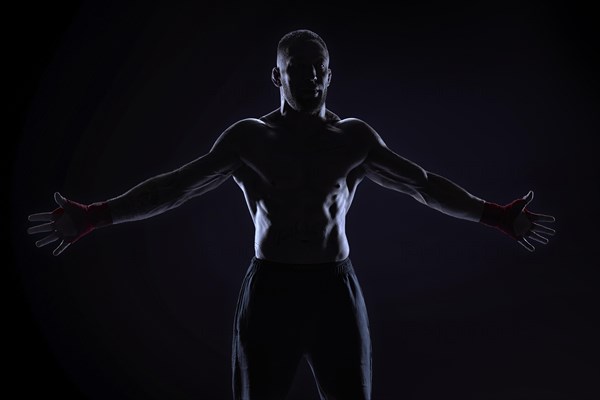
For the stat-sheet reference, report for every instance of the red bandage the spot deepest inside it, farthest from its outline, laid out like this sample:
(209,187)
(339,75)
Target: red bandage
(502,217)
(94,216)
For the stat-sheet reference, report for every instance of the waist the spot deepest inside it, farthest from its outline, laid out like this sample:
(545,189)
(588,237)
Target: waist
(340,266)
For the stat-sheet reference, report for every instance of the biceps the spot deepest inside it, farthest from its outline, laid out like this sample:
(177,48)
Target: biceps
(207,172)
(385,167)
(386,182)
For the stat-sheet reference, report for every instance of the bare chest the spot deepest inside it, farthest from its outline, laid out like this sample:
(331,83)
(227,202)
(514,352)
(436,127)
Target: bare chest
(301,160)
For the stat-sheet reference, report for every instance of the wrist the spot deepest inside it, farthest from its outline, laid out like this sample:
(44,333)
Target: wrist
(491,213)
(499,217)
(99,214)
(91,217)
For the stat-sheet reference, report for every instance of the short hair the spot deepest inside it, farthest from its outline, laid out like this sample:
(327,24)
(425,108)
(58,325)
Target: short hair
(298,36)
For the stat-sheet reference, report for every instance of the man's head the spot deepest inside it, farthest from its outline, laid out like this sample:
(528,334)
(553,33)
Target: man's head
(302,72)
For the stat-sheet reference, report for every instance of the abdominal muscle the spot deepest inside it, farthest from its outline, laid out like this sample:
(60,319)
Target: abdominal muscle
(292,244)
(306,233)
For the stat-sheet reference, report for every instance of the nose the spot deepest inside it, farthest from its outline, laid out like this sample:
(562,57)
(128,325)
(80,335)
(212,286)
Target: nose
(313,75)
(310,73)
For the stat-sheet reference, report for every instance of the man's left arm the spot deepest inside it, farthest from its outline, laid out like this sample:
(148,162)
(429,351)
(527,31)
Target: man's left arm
(392,171)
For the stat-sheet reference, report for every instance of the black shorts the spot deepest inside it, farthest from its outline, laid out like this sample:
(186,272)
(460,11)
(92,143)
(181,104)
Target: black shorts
(289,311)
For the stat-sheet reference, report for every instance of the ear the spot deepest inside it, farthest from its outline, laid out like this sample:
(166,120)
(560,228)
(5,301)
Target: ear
(328,77)
(276,77)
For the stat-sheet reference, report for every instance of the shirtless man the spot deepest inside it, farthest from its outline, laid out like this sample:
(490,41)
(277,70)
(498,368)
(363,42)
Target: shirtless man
(298,167)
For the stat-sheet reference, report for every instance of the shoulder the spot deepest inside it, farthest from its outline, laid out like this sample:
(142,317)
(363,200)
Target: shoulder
(235,135)
(243,128)
(271,118)
(354,124)
(360,128)
(331,117)
(246,125)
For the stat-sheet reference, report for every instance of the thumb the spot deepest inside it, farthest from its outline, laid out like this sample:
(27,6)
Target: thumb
(60,200)
(527,198)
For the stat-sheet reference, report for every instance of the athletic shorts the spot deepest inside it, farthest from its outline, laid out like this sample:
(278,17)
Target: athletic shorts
(286,312)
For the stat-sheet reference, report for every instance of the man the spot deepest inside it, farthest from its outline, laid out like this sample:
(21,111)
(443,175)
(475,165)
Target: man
(298,167)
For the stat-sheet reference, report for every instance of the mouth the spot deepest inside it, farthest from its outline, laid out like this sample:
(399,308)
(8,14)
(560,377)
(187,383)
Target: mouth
(310,93)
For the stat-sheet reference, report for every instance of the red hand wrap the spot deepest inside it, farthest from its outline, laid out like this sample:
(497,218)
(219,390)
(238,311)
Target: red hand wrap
(96,215)
(502,217)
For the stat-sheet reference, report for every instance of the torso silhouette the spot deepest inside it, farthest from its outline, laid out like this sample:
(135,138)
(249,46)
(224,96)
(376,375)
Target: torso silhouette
(299,181)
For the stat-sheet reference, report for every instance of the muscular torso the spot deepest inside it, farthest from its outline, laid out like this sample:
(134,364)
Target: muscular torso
(299,181)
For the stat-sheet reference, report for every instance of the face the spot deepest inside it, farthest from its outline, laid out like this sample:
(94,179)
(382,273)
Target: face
(303,76)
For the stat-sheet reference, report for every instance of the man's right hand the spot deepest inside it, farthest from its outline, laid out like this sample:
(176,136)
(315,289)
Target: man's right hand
(69,222)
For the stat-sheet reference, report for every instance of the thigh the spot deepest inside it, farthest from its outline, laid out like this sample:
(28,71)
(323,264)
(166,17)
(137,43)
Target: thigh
(266,350)
(340,355)
(260,372)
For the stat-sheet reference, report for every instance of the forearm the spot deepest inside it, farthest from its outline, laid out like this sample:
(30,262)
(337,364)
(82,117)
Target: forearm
(156,196)
(449,198)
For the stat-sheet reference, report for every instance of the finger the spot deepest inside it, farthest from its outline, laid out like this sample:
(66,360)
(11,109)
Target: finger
(61,247)
(529,248)
(49,227)
(538,234)
(53,237)
(528,197)
(59,199)
(538,238)
(539,228)
(542,217)
(40,217)
(523,242)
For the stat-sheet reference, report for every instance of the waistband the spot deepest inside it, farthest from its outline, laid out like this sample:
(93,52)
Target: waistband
(341,266)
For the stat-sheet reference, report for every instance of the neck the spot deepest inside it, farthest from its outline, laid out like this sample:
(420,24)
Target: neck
(288,112)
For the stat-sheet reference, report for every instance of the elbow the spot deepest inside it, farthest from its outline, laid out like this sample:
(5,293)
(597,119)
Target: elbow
(420,187)
(421,180)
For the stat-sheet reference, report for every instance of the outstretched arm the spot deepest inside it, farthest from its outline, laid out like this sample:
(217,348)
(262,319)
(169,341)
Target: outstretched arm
(71,220)
(390,170)
(169,190)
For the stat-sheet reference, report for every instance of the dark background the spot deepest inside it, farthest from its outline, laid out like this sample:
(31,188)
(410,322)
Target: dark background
(500,98)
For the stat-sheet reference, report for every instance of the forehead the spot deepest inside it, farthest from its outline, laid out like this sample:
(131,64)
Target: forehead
(307,50)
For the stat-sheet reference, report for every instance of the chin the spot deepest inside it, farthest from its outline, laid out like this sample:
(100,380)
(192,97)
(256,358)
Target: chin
(309,106)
